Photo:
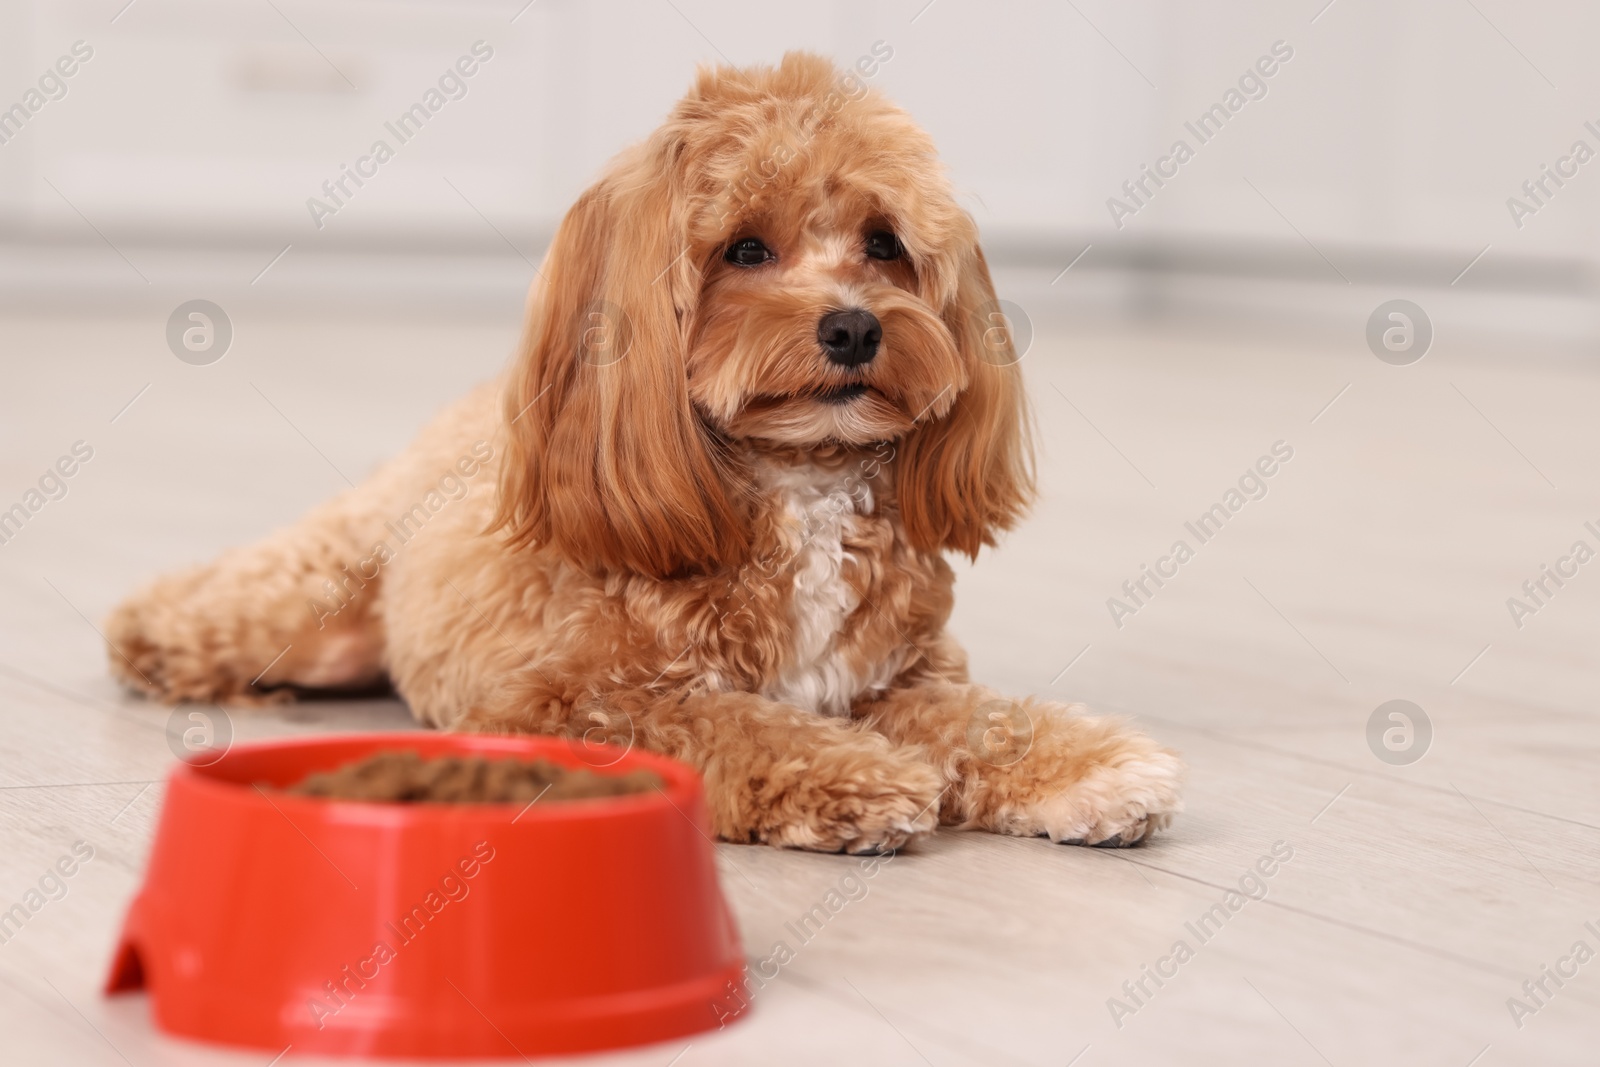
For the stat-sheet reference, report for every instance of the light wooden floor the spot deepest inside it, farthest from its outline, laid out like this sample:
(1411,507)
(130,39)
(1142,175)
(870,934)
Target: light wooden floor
(1418,897)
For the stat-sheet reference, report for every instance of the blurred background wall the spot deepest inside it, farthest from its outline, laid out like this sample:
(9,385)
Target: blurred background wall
(1381,150)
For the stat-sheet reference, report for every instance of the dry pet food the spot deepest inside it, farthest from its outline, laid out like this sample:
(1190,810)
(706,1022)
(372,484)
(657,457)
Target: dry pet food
(406,777)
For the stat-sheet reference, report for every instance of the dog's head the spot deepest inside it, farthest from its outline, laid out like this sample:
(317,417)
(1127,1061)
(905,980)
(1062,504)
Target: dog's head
(780,266)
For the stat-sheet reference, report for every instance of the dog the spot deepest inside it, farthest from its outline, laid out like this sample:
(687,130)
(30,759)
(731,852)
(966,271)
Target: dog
(764,386)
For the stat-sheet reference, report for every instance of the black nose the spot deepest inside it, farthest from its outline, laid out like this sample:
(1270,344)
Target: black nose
(850,337)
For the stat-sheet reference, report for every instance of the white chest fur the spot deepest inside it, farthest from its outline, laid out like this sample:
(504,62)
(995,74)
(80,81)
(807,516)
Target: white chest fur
(817,675)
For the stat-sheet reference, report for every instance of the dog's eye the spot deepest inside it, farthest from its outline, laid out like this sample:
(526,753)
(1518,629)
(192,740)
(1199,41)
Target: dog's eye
(748,252)
(881,244)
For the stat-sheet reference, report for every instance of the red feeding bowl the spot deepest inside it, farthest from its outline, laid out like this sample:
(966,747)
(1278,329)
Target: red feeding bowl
(361,928)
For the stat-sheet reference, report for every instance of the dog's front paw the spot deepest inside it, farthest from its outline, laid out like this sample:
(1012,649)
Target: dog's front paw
(169,642)
(1084,781)
(1114,806)
(849,798)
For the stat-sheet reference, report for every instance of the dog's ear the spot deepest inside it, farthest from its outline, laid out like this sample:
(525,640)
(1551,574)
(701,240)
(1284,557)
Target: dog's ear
(962,477)
(605,458)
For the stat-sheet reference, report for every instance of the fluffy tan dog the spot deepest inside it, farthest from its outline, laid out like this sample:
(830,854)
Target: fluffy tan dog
(763,388)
